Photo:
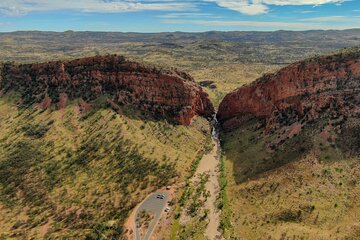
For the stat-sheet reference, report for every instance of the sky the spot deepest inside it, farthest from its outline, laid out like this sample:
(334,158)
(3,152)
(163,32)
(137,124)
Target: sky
(175,15)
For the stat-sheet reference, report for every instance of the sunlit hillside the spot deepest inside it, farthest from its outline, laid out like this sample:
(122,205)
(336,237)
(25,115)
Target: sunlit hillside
(71,175)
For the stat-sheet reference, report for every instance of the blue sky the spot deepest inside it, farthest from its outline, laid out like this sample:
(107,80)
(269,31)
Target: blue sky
(175,15)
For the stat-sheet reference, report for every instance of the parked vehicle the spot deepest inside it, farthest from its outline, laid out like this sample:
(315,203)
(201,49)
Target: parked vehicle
(160,196)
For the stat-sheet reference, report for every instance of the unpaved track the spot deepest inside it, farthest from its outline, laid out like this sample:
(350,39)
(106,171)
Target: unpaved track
(210,164)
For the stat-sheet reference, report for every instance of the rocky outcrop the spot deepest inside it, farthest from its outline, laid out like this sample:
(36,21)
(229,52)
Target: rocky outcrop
(170,94)
(300,93)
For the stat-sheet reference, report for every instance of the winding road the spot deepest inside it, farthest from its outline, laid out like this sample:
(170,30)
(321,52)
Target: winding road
(154,205)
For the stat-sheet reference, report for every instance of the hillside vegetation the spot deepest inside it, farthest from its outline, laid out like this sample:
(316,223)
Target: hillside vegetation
(295,175)
(308,189)
(73,176)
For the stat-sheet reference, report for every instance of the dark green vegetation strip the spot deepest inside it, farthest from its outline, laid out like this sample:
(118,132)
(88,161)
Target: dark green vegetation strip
(223,201)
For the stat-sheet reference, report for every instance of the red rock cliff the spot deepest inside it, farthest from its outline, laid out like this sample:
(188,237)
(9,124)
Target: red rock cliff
(303,92)
(169,94)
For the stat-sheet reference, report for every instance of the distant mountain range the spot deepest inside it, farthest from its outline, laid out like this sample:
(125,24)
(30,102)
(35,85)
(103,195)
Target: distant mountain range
(233,36)
(280,47)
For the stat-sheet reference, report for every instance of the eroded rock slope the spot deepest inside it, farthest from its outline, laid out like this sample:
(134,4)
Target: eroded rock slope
(324,87)
(170,94)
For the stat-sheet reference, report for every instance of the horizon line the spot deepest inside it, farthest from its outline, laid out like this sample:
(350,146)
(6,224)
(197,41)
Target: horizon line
(220,31)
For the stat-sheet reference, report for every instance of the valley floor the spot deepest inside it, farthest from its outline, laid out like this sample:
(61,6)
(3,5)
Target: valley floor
(210,165)
(207,218)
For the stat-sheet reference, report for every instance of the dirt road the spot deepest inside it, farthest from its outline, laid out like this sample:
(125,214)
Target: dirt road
(210,164)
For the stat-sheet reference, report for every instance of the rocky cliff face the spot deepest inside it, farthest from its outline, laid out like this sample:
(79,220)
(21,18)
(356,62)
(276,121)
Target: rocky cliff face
(298,94)
(169,94)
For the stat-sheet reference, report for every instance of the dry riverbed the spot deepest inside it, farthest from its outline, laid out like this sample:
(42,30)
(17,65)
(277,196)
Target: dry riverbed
(210,165)
(205,180)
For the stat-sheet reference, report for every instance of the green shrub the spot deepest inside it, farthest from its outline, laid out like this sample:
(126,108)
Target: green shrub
(35,130)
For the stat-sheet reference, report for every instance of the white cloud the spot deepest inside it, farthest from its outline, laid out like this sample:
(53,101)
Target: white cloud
(250,7)
(253,7)
(188,15)
(327,19)
(300,2)
(3,24)
(243,23)
(244,6)
(259,24)
(20,7)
